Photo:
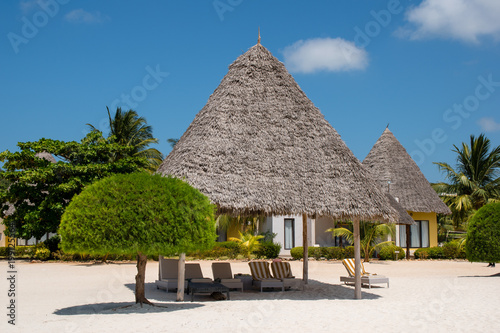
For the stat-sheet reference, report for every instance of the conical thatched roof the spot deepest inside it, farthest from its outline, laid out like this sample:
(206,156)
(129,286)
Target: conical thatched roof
(403,216)
(46,156)
(261,146)
(388,161)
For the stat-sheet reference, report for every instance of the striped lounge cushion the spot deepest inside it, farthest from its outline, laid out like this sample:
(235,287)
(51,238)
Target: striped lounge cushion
(260,270)
(281,270)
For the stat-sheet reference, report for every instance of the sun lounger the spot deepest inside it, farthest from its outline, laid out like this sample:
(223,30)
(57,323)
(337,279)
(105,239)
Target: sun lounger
(167,275)
(262,277)
(282,271)
(366,278)
(223,274)
(194,274)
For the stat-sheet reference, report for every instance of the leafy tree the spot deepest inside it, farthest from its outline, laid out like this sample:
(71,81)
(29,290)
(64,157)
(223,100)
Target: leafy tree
(475,180)
(40,190)
(138,214)
(248,242)
(370,234)
(483,235)
(128,129)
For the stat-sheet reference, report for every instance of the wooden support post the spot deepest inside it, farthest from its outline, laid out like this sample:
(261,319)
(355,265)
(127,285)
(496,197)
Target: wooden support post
(305,271)
(180,277)
(357,259)
(408,240)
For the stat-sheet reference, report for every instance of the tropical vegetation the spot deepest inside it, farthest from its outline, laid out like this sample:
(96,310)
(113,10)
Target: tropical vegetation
(40,190)
(473,182)
(128,129)
(371,235)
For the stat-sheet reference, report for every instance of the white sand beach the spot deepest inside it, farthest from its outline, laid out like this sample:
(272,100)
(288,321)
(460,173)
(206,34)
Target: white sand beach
(424,296)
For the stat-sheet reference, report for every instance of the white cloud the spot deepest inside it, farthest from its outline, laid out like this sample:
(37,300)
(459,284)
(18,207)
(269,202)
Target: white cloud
(464,20)
(324,54)
(488,124)
(82,16)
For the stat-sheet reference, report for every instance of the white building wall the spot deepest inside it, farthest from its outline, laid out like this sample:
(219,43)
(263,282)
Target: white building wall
(276,224)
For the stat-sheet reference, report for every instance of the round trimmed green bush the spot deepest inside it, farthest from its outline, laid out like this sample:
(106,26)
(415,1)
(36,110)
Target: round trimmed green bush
(138,213)
(389,252)
(483,235)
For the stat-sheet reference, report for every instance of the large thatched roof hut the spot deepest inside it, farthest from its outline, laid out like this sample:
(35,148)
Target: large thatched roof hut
(260,146)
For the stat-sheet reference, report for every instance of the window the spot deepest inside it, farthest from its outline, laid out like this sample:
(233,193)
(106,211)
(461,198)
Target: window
(419,234)
(289,233)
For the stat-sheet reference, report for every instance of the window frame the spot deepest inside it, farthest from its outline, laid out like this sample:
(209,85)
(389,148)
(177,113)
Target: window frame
(285,233)
(420,238)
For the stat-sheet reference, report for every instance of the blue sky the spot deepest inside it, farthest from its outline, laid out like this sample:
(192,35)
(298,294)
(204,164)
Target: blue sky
(429,68)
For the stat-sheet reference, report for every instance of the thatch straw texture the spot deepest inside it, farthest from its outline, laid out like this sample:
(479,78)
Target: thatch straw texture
(389,161)
(46,156)
(403,216)
(260,146)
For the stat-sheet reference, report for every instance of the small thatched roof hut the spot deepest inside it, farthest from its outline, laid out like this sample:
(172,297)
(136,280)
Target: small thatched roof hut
(260,146)
(388,161)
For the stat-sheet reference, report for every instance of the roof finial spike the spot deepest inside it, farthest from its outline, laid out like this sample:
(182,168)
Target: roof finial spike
(387,126)
(258,40)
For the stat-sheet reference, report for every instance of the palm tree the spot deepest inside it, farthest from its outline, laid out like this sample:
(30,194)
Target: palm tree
(172,142)
(248,242)
(128,129)
(475,180)
(371,234)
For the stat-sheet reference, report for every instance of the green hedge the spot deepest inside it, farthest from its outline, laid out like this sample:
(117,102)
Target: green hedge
(389,252)
(329,253)
(435,252)
(268,250)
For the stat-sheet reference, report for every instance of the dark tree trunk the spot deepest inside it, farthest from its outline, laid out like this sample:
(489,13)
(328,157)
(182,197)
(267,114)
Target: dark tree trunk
(139,279)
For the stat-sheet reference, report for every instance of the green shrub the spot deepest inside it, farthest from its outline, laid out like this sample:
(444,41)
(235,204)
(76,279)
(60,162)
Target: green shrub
(334,252)
(436,252)
(483,235)
(268,250)
(453,250)
(349,251)
(315,252)
(42,253)
(233,249)
(389,252)
(421,253)
(297,252)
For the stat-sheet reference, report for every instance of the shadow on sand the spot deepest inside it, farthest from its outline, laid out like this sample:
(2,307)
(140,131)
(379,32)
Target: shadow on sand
(481,276)
(315,290)
(123,307)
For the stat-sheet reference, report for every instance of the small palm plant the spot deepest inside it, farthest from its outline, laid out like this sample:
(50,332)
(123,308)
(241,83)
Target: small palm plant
(371,232)
(248,242)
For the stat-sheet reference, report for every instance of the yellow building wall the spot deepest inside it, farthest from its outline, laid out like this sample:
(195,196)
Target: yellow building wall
(233,231)
(433,227)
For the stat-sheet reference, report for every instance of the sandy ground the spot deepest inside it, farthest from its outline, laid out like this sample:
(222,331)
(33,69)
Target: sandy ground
(424,296)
